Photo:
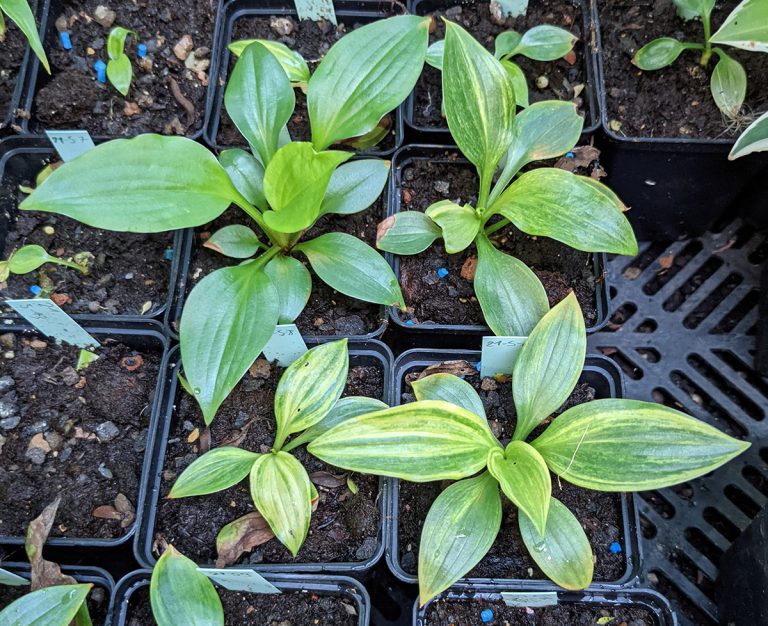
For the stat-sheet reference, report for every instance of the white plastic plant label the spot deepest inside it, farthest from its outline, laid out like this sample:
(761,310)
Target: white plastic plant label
(315,10)
(531,599)
(50,320)
(239,580)
(499,355)
(11,579)
(70,143)
(285,346)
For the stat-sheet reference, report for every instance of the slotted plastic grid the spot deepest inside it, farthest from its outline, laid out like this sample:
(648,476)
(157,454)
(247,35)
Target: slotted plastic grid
(683,331)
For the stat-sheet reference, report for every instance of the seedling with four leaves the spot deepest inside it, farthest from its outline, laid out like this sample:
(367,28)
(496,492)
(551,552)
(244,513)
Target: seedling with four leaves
(604,445)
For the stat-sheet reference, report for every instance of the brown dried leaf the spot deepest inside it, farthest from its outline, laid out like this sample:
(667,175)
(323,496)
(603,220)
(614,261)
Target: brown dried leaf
(241,536)
(107,511)
(582,157)
(457,368)
(570,57)
(43,573)
(260,369)
(328,480)
(666,261)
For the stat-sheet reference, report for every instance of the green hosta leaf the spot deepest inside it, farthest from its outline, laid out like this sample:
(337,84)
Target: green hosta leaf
(236,241)
(228,318)
(353,268)
(459,529)
(120,73)
(147,184)
(282,493)
(293,284)
(458,223)
(524,479)
(310,387)
(728,85)
(658,53)
(214,471)
(371,138)
(291,61)
(420,442)
(746,27)
(563,552)
(506,43)
(355,186)
(51,606)
(549,365)
(435,54)
(519,83)
(553,203)
(511,296)
(116,42)
(179,594)
(260,100)
(479,101)
(295,183)
(545,43)
(753,139)
(246,174)
(659,446)
(606,191)
(365,75)
(21,14)
(694,9)
(449,388)
(407,232)
(344,409)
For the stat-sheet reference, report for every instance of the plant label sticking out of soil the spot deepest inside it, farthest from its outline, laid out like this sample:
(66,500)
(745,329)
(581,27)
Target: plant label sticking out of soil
(499,355)
(285,346)
(9,578)
(70,143)
(49,319)
(239,580)
(316,10)
(532,599)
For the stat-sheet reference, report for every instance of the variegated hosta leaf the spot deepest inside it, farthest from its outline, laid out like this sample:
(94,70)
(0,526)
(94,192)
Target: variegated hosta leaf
(214,471)
(449,388)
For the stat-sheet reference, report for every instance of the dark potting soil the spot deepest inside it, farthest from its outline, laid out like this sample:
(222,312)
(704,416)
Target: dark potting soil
(80,435)
(73,98)
(566,81)
(290,608)
(451,300)
(128,270)
(98,601)
(598,512)
(312,40)
(343,528)
(328,312)
(11,56)
(444,612)
(675,101)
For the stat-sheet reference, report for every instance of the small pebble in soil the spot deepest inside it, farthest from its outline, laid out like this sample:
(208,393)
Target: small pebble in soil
(367,549)
(49,230)
(442,186)
(6,383)
(9,423)
(615,547)
(486,615)
(542,82)
(107,431)
(35,455)
(105,471)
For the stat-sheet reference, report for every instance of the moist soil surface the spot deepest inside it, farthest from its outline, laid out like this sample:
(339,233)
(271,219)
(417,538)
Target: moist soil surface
(451,300)
(598,512)
(290,608)
(312,40)
(73,98)
(98,601)
(675,101)
(328,312)
(467,613)
(566,81)
(11,56)
(80,435)
(344,527)
(127,270)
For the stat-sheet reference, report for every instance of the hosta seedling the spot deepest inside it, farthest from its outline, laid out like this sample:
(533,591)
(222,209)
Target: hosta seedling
(119,70)
(578,211)
(21,14)
(31,257)
(153,183)
(307,401)
(746,28)
(606,445)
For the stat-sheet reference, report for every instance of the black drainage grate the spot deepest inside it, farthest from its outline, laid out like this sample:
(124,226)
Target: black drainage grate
(684,333)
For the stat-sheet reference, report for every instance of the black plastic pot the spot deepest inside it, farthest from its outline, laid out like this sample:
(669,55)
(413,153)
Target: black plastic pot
(592,120)
(449,335)
(36,76)
(601,374)
(147,336)
(82,574)
(347,588)
(360,353)
(348,11)
(676,187)
(21,158)
(595,599)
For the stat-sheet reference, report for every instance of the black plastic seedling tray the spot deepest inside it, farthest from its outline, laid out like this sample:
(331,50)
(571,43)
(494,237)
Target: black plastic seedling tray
(347,588)
(601,374)
(348,11)
(592,113)
(145,336)
(360,353)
